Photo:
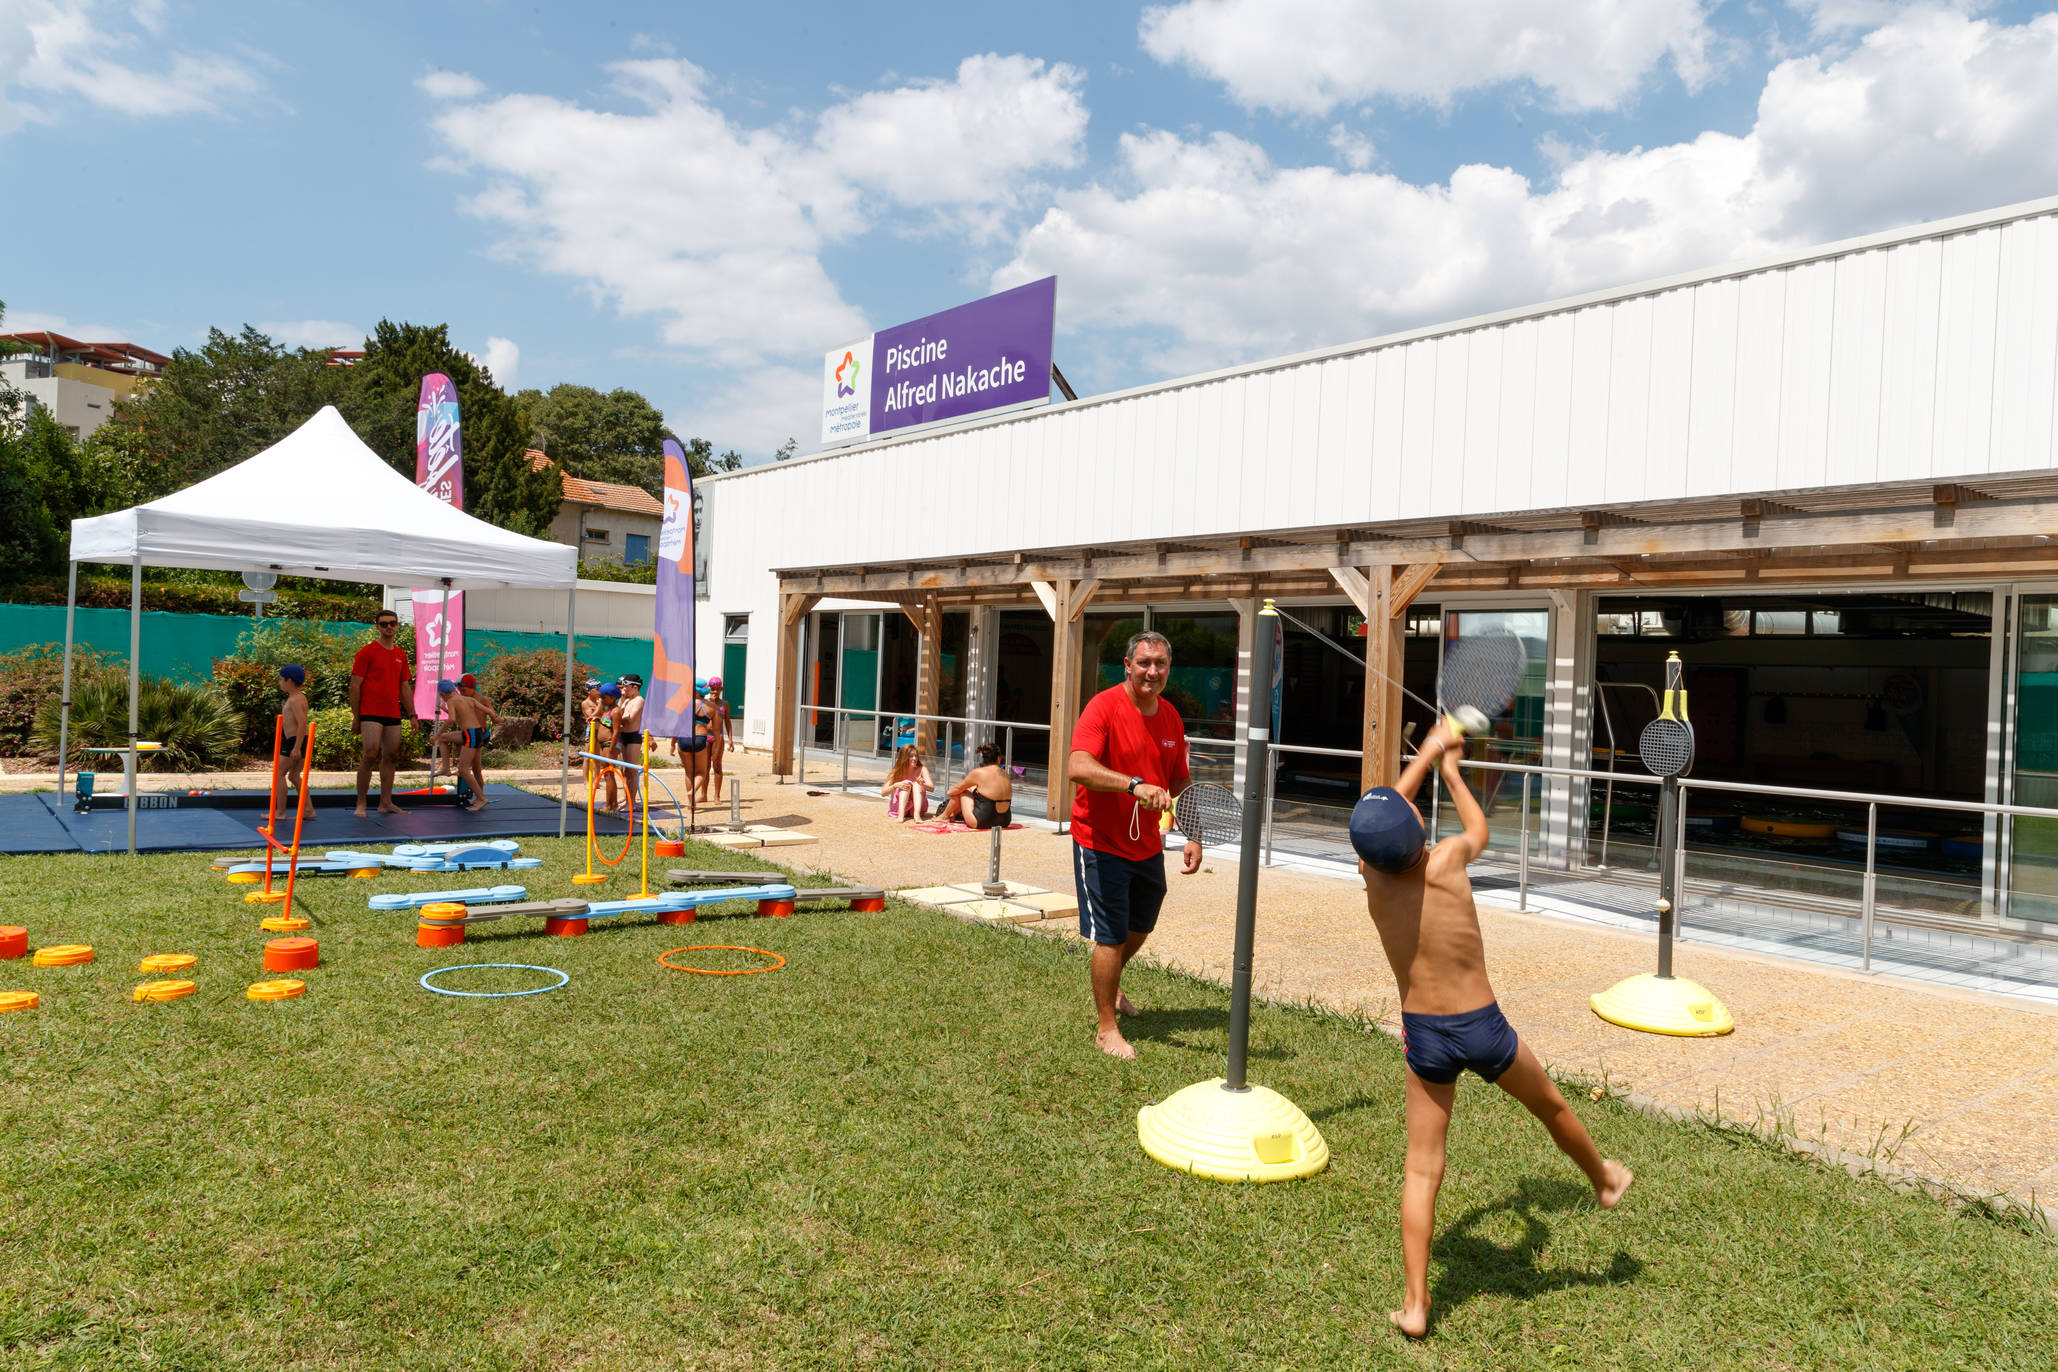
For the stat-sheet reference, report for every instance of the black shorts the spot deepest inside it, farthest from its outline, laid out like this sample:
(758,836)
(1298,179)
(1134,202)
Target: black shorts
(287,746)
(391,721)
(695,744)
(1439,1047)
(1118,896)
(626,739)
(984,815)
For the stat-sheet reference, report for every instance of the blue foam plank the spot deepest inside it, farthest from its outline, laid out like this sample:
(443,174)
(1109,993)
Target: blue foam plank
(479,895)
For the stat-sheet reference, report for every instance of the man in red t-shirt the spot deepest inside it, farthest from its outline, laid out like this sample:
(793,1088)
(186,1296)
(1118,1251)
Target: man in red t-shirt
(1128,760)
(380,679)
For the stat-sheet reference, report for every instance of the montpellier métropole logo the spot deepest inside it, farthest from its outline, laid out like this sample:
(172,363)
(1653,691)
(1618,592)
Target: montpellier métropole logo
(847,387)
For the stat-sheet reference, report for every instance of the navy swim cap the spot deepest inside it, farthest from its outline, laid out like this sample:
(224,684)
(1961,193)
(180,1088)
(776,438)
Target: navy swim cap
(295,674)
(1386,831)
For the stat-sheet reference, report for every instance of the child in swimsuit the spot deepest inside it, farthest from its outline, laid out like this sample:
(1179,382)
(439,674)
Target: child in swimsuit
(628,719)
(293,729)
(1421,903)
(985,796)
(469,718)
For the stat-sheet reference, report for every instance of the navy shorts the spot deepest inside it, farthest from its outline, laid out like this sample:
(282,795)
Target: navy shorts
(1118,896)
(1439,1047)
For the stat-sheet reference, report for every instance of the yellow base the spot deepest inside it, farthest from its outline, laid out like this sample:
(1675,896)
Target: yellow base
(284,989)
(1254,1134)
(245,878)
(1663,1005)
(589,879)
(282,924)
(168,962)
(164,990)
(277,897)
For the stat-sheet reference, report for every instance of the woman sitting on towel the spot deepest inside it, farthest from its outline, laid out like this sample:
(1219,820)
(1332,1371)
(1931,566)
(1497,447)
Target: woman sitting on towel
(908,786)
(983,798)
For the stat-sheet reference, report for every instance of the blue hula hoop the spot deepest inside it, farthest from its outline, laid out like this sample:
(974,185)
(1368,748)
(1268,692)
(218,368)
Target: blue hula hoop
(653,775)
(562,979)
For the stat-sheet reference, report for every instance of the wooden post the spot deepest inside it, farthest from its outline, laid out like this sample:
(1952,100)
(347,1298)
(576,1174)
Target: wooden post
(1390,590)
(1067,639)
(928,622)
(786,694)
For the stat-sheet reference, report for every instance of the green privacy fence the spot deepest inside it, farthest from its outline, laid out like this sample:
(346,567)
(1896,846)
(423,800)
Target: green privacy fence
(183,647)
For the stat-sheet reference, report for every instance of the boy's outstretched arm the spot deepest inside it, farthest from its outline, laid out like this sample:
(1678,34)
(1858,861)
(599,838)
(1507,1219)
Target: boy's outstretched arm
(1474,834)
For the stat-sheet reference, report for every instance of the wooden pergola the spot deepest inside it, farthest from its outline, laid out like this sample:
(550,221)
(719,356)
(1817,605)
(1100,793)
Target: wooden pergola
(1997,527)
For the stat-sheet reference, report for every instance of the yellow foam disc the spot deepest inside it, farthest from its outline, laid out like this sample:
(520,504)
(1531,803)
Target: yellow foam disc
(164,990)
(18,1000)
(283,924)
(365,871)
(285,988)
(1254,1134)
(64,955)
(277,897)
(588,879)
(246,878)
(1678,1006)
(168,962)
(443,909)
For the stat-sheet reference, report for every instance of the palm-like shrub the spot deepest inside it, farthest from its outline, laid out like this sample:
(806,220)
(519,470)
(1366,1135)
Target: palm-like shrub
(197,727)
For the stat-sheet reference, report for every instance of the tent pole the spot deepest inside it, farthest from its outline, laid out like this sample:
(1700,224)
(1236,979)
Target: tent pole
(564,772)
(71,602)
(135,685)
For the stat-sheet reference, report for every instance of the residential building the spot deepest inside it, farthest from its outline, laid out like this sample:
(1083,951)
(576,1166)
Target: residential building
(76,381)
(606,522)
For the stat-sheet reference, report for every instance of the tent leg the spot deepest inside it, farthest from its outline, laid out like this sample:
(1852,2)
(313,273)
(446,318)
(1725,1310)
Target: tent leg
(135,685)
(71,603)
(564,772)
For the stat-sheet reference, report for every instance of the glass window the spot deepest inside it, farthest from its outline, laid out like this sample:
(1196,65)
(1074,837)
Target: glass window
(1772,623)
(636,547)
(1825,622)
(736,628)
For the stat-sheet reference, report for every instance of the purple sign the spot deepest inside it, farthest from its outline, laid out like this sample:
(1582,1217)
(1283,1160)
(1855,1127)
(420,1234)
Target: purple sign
(991,354)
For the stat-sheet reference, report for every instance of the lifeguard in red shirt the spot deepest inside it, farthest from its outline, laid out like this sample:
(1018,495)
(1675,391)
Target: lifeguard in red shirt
(380,679)
(1128,760)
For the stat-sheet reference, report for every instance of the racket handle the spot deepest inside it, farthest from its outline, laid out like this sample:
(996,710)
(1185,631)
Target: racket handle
(1467,719)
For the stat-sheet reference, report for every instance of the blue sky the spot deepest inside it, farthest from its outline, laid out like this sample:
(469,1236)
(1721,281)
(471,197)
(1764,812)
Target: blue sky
(697,200)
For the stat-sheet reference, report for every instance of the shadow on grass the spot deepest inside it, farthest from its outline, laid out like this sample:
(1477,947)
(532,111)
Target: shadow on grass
(1475,1265)
(1344,1107)
(1173,1028)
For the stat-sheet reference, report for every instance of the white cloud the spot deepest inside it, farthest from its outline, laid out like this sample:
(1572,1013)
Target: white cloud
(1845,16)
(314,333)
(31,321)
(1356,150)
(76,49)
(438,84)
(1209,251)
(1309,56)
(503,358)
(674,210)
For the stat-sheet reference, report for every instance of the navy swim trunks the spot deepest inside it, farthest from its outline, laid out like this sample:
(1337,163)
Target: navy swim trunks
(1118,896)
(1439,1047)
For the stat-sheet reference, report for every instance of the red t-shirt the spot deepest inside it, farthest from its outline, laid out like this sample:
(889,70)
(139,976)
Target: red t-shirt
(1153,747)
(383,670)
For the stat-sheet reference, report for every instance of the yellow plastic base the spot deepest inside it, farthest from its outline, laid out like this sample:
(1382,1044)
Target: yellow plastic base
(164,990)
(168,962)
(1663,1005)
(277,897)
(286,988)
(1254,1134)
(64,955)
(283,924)
(18,1000)
(245,878)
(589,879)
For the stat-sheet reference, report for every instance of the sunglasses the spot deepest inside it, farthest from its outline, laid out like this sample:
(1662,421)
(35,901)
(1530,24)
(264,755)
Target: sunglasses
(386,623)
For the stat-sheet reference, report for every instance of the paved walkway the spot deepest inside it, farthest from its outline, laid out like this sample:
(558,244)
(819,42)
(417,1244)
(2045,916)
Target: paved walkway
(1835,1057)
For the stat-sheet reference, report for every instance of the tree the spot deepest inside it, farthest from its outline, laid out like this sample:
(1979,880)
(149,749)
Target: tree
(616,437)
(209,410)
(785,450)
(44,485)
(701,459)
(385,387)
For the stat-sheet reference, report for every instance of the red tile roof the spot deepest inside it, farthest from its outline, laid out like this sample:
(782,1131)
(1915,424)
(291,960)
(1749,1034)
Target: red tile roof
(605,495)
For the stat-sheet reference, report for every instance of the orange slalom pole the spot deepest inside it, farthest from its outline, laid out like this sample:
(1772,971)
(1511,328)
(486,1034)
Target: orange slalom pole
(643,782)
(299,814)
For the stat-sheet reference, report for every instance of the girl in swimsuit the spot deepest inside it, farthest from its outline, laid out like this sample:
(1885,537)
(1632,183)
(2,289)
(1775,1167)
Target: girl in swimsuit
(721,733)
(907,786)
(984,798)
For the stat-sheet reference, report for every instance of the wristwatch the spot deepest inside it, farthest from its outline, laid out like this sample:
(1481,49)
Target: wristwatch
(1134,782)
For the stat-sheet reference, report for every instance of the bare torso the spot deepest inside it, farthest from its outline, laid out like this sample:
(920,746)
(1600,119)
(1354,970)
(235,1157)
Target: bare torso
(294,716)
(1430,929)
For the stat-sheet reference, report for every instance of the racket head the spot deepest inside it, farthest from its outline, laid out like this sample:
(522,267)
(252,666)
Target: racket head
(1209,813)
(1666,747)
(1482,675)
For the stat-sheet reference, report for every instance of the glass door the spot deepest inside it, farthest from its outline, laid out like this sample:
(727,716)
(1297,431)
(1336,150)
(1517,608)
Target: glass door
(2032,872)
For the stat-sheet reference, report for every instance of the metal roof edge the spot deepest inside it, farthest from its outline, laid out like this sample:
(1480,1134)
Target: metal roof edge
(1910,233)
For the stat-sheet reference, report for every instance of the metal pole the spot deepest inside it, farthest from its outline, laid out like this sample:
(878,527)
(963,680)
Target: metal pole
(1522,885)
(736,804)
(1871,877)
(1679,867)
(135,686)
(1668,816)
(1269,789)
(841,728)
(800,707)
(994,888)
(1257,760)
(564,767)
(71,603)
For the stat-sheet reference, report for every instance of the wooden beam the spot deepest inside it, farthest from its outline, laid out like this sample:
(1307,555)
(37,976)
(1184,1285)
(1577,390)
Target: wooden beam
(786,678)
(914,610)
(1385,659)
(1409,584)
(928,669)
(1082,595)
(1048,594)
(1068,634)
(1355,586)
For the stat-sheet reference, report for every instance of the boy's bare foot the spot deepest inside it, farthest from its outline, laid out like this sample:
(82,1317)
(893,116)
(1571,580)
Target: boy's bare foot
(1619,1178)
(1122,1005)
(1410,1321)
(387,807)
(1111,1042)
(359,812)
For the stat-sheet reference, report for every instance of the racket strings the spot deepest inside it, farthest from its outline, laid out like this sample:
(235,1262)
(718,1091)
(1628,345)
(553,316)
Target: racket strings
(1209,813)
(1484,673)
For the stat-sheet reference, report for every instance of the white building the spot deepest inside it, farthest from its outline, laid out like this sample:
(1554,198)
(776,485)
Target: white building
(77,382)
(1830,481)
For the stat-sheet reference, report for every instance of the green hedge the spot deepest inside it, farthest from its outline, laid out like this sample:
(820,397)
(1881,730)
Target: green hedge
(101,592)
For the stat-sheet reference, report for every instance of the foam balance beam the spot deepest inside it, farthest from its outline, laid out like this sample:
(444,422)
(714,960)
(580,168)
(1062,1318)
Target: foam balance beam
(687,876)
(568,918)
(865,899)
(483,895)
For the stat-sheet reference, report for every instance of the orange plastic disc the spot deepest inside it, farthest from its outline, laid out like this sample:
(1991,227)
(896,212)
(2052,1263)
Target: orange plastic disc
(284,924)
(443,909)
(168,962)
(164,990)
(291,954)
(14,941)
(285,988)
(18,1000)
(668,847)
(64,955)
(364,872)
(438,935)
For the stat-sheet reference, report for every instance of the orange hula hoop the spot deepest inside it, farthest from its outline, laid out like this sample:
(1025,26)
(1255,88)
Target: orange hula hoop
(629,840)
(777,961)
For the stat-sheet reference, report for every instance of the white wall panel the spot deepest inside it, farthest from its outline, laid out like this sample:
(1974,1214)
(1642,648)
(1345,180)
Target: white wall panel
(1626,456)
(1301,484)
(1671,393)
(1389,409)
(1418,429)
(1804,376)
(1515,437)
(1857,351)
(1443,480)
(1593,334)
(1548,481)
(1711,410)
(1760,374)
(1966,308)
(2025,347)
(1332,441)
(1480,463)
(1908,371)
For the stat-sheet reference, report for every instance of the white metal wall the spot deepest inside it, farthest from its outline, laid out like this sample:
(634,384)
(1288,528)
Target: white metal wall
(1928,357)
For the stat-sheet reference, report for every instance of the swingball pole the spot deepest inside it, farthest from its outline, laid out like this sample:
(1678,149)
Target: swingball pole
(589,877)
(1226,1128)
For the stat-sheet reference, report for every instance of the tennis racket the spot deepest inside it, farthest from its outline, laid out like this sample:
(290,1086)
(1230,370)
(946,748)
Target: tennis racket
(1480,679)
(1667,743)
(1206,812)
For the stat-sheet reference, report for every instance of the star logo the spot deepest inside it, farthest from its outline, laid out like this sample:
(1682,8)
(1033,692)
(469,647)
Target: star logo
(847,385)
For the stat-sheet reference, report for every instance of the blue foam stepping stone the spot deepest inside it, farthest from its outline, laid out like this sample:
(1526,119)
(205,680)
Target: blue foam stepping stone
(483,895)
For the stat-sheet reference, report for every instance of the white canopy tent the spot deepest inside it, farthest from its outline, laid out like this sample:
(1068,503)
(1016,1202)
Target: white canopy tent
(316,503)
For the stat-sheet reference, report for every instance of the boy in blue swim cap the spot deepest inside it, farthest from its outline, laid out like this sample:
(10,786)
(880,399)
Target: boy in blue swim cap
(1421,902)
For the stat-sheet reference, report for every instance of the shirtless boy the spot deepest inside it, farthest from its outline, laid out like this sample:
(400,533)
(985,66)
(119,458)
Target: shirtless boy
(1421,903)
(470,715)
(628,718)
(293,730)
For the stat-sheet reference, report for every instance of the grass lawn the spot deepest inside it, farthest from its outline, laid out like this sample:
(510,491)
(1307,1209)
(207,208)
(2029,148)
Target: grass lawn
(900,1151)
